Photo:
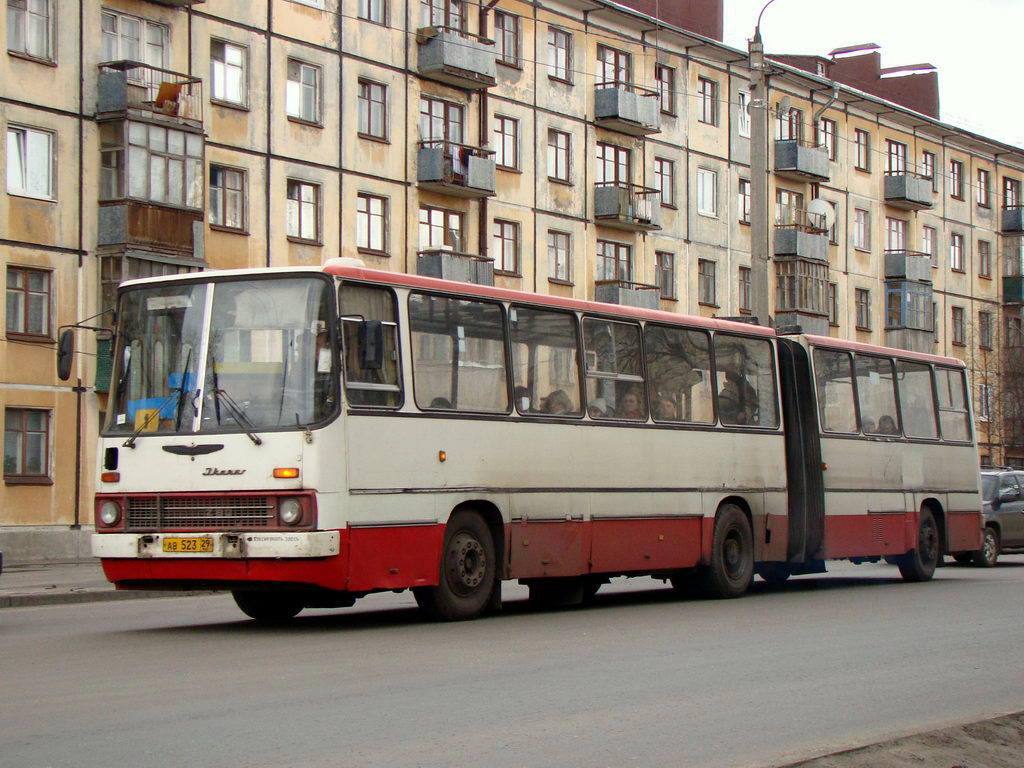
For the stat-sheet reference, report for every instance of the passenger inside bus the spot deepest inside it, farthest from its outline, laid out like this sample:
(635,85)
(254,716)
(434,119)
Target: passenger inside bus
(737,400)
(598,408)
(631,406)
(665,409)
(887,425)
(558,402)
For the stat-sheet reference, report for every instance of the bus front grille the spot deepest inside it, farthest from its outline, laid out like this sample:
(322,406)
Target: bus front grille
(200,512)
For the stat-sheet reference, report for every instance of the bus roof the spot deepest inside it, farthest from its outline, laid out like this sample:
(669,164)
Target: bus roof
(857,346)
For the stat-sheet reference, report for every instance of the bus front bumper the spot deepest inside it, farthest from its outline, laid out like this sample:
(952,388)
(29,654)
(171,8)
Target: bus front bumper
(216,545)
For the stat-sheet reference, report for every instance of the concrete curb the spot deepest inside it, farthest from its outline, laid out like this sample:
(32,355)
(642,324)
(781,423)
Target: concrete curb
(87,596)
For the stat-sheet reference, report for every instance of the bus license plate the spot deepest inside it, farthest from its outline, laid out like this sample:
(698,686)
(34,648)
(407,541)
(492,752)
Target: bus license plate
(188,544)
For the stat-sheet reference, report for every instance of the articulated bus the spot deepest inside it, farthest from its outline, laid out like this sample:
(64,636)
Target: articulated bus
(305,437)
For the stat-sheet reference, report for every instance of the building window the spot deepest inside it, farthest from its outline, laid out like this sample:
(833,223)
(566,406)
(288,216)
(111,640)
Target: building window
(789,206)
(956,179)
(707,94)
(743,201)
(303,211)
(958,326)
(440,228)
(827,136)
(28,302)
(984,258)
(373,109)
(665,77)
(928,168)
(443,13)
(745,290)
(1014,332)
(613,164)
(130,38)
(895,157)
(614,67)
(800,286)
(1011,192)
(440,120)
(706,282)
(26,445)
(862,302)
(789,125)
(506,142)
(984,402)
(832,236)
(985,330)
(707,192)
(956,252)
(614,261)
(227,72)
(374,10)
(164,165)
(227,198)
(833,304)
(559,54)
(506,246)
(665,263)
(372,223)
(302,93)
(558,155)
(928,244)
(665,180)
(30,163)
(506,38)
(559,256)
(862,143)
(29,28)
(984,188)
(743,113)
(861,229)
(895,234)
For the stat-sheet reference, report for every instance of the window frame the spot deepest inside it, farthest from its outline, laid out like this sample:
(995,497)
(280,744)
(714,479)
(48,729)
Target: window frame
(985,326)
(707,282)
(365,220)
(19,476)
(956,252)
(665,269)
(603,259)
(862,229)
(243,96)
(743,114)
(828,132)
(366,11)
(744,290)
(665,79)
(665,180)
(707,104)
(862,150)
(559,271)
(956,179)
(506,141)
(301,85)
(743,192)
(368,106)
(984,189)
(558,156)
(508,32)
(146,47)
(559,56)
(505,235)
(222,192)
(300,184)
(26,292)
(21,135)
(862,304)
(26,17)
(707,192)
(958,334)
(985,259)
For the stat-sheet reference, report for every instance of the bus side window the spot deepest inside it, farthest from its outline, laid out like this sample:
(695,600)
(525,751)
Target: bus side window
(370,346)
(917,403)
(615,383)
(953,416)
(833,378)
(544,361)
(679,371)
(458,354)
(745,381)
(876,394)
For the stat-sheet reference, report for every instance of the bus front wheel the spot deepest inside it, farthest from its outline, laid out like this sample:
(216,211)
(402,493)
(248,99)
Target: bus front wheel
(732,556)
(919,563)
(269,607)
(468,571)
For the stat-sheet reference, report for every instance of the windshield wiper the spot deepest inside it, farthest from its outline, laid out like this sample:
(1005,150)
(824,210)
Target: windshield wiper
(236,413)
(181,391)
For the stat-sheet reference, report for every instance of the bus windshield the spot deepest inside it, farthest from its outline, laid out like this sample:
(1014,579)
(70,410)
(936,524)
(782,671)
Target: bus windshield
(239,355)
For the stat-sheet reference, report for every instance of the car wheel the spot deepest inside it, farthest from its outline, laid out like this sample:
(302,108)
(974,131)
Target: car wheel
(988,554)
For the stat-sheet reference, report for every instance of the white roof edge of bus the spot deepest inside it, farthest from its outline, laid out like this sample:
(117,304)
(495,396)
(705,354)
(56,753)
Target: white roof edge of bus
(908,354)
(221,272)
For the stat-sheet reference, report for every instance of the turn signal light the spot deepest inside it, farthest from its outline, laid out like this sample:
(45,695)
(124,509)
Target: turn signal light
(286,473)
(111,477)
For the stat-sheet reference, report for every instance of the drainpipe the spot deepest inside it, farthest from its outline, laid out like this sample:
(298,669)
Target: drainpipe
(482,219)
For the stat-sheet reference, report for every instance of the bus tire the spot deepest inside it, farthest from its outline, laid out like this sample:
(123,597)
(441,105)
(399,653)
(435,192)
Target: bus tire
(468,571)
(732,556)
(773,573)
(988,554)
(269,606)
(919,563)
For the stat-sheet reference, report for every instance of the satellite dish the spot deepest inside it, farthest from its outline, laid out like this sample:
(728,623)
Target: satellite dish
(823,209)
(785,104)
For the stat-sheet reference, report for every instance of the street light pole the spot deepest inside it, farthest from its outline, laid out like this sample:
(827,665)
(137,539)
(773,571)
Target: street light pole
(759,248)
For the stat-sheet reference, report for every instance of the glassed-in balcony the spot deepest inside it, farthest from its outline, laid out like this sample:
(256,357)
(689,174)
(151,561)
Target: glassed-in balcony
(1013,289)
(627,293)
(627,108)
(795,159)
(800,233)
(455,169)
(1013,219)
(627,206)
(455,57)
(448,264)
(909,191)
(131,89)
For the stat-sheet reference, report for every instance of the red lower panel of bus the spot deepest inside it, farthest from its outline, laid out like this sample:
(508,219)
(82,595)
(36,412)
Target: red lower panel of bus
(866,535)
(963,531)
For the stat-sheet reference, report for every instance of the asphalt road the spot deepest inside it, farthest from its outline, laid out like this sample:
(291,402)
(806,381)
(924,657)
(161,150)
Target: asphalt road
(638,678)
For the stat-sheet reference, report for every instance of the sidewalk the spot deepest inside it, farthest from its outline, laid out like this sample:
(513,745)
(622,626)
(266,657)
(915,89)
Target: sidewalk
(80,581)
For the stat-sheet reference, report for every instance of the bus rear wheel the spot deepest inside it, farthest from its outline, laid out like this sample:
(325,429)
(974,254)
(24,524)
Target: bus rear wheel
(732,556)
(269,607)
(468,571)
(919,563)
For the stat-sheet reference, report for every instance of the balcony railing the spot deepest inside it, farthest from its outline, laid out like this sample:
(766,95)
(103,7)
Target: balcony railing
(908,265)
(627,108)
(455,169)
(908,190)
(802,220)
(448,264)
(456,57)
(130,85)
(1013,218)
(627,293)
(801,160)
(627,206)
(801,233)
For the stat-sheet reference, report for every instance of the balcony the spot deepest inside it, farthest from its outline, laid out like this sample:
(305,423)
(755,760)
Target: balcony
(130,89)
(448,264)
(1013,289)
(457,58)
(627,206)
(908,191)
(627,293)
(802,234)
(173,233)
(1013,219)
(627,108)
(914,266)
(455,169)
(799,160)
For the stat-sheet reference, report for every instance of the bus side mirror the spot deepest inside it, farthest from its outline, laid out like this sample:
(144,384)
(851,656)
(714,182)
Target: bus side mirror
(371,344)
(65,353)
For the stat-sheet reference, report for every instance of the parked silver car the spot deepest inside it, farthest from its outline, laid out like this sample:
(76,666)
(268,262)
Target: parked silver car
(1002,493)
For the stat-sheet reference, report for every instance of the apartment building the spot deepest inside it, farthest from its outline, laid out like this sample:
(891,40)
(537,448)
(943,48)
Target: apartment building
(573,148)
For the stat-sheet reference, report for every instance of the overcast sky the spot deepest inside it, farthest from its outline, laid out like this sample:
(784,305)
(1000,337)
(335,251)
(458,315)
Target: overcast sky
(977,46)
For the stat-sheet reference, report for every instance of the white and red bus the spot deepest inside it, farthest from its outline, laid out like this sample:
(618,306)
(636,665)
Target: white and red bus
(304,437)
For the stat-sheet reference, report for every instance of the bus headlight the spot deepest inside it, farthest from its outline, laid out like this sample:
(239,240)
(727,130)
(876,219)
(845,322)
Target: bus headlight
(290,511)
(110,512)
